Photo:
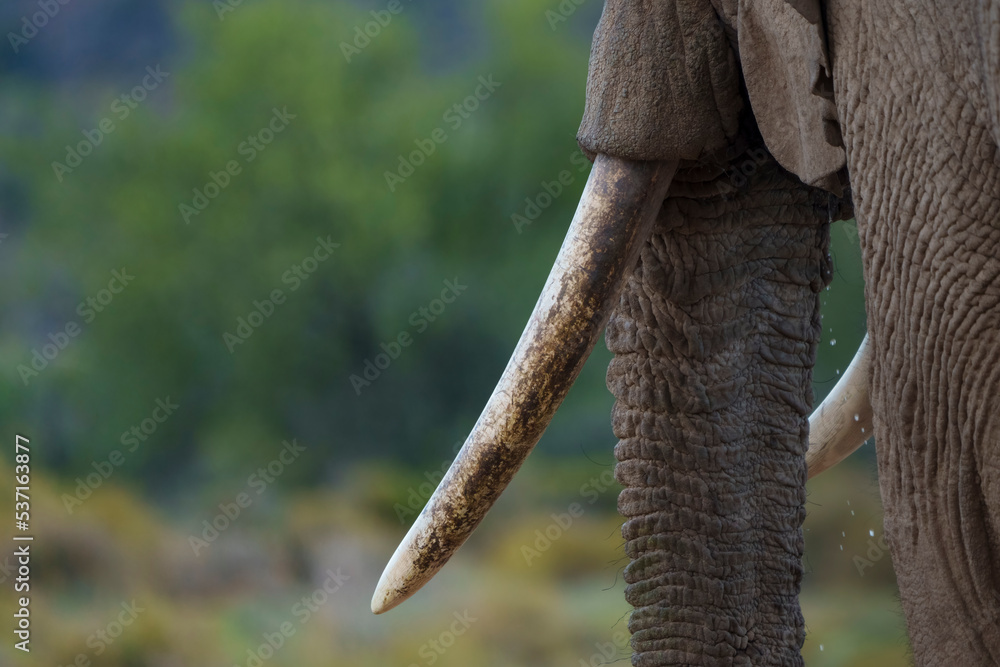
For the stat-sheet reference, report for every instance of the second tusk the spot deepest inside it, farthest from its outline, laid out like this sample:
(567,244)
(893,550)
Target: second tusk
(843,421)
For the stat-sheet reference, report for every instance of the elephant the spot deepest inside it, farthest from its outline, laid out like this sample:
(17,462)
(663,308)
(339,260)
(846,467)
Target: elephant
(727,136)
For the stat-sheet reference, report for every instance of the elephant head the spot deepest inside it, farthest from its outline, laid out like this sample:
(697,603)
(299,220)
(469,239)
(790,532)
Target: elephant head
(726,136)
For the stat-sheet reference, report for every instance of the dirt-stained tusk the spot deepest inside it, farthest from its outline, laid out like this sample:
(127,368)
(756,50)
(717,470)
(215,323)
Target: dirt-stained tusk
(613,220)
(843,422)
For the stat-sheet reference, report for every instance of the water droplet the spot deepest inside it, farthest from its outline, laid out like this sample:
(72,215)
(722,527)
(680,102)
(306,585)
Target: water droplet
(838,371)
(862,429)
(848,502)
(820,647)
(857,418)
(833,342)
(841,547)
(871,533)
(843,533)
(852,512)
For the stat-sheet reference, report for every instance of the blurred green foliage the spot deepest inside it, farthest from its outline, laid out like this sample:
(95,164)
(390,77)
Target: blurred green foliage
(321,177)
(324,176)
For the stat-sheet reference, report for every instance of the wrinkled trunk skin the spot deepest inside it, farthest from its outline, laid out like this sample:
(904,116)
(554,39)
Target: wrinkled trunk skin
(714,340)
(921,137)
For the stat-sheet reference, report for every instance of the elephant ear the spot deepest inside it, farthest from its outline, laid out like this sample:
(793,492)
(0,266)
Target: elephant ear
(663,82)
(786,67)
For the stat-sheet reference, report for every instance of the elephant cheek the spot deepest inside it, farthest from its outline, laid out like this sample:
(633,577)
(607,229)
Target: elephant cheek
(714,339)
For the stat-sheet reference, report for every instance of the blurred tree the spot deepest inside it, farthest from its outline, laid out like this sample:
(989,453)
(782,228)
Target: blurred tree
(196,193)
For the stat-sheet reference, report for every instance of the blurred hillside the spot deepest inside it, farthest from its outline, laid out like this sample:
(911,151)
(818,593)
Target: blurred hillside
(536,590)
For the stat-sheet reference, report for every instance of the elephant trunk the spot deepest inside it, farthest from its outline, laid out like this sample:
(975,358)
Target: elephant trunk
(714,339)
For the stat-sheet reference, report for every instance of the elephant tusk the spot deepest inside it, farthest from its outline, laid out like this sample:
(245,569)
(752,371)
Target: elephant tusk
(843,422)
(613,220)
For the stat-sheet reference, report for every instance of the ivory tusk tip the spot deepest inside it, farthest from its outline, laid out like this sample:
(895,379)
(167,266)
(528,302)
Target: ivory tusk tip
(388,593)
(383,600)
(403,575)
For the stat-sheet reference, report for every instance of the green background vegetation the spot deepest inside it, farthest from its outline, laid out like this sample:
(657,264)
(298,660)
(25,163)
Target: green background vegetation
(340,505)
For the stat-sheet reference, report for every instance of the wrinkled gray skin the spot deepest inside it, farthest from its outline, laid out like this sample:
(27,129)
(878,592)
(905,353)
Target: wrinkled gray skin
(786,115)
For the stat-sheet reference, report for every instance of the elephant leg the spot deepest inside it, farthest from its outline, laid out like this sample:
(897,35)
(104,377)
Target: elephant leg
(925,173)
(715,338)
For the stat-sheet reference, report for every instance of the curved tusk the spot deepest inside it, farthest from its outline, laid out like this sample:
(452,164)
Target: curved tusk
(613,220)
(843,422)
